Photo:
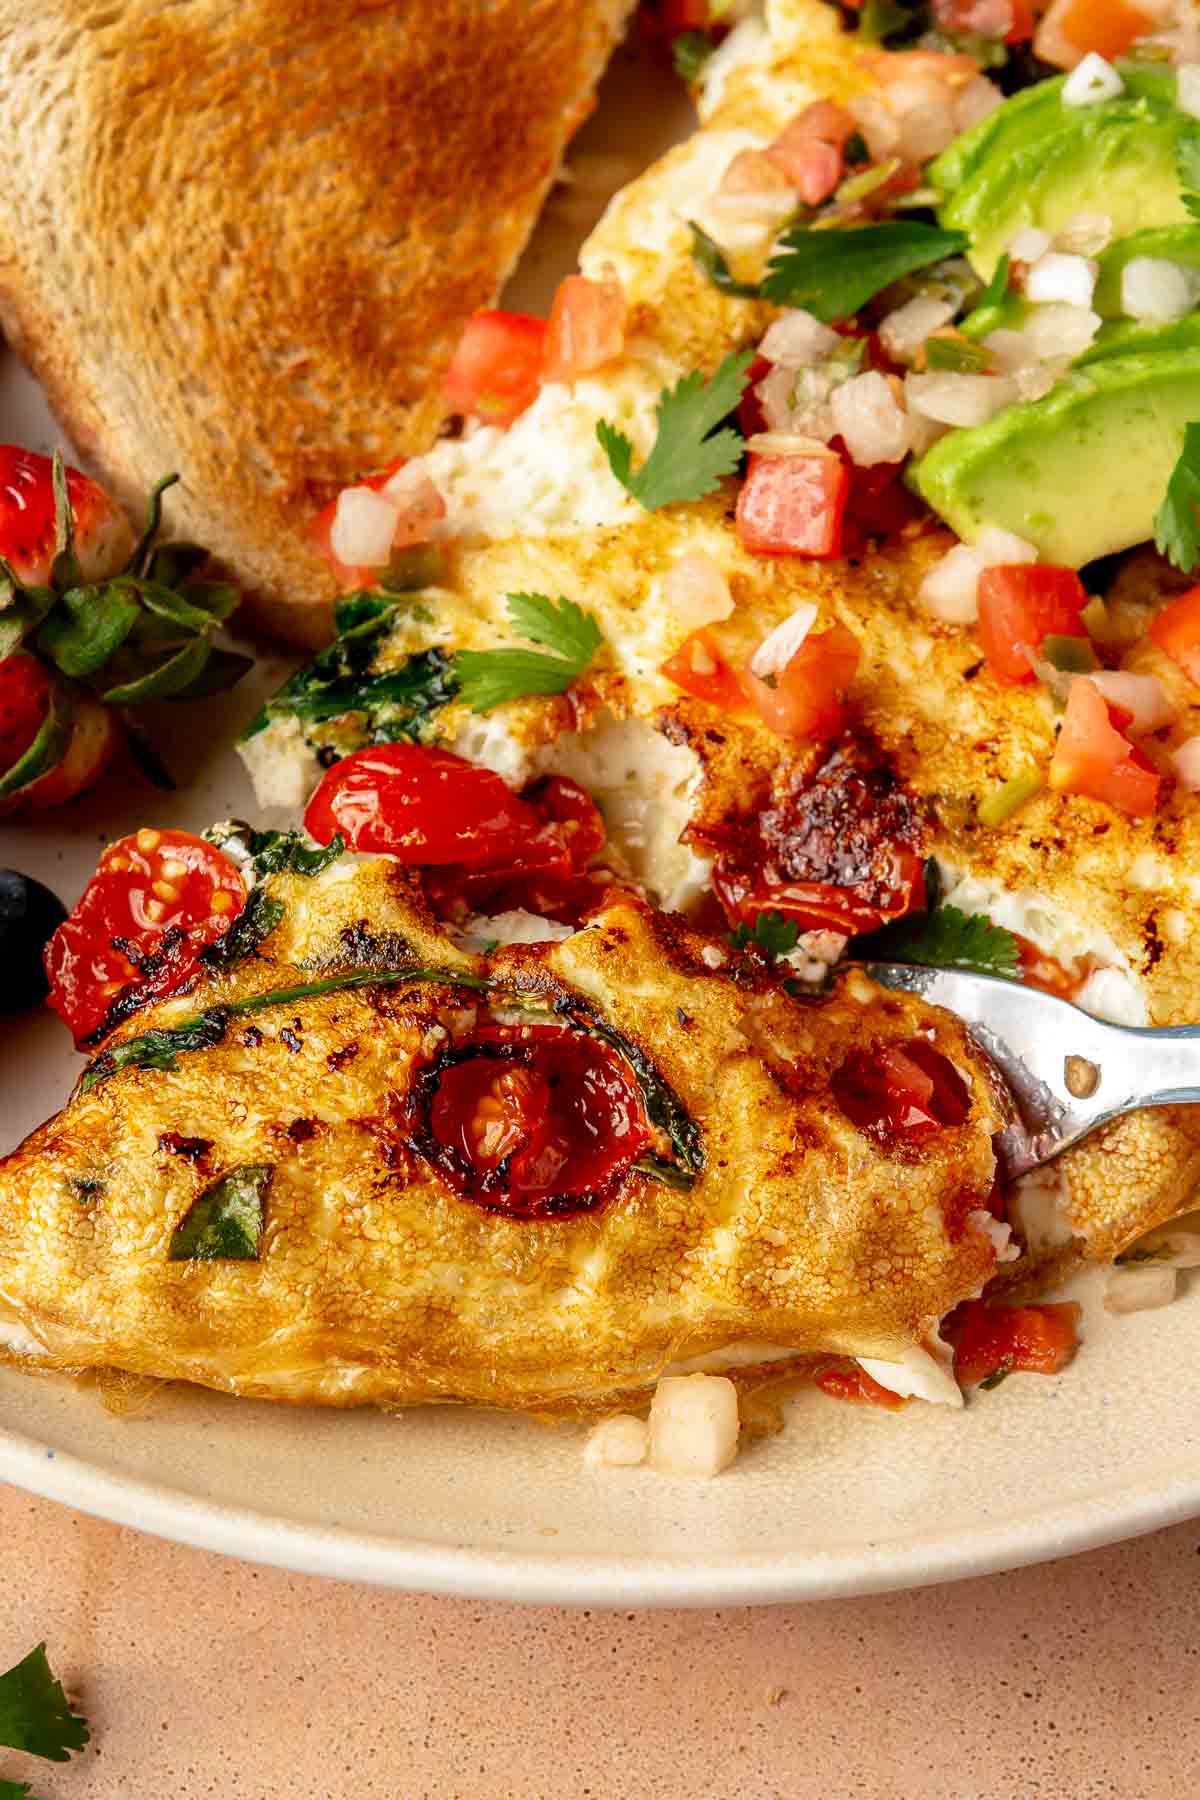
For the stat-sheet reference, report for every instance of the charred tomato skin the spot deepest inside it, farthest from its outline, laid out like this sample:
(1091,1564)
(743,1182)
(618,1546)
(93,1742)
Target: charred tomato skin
(565,1114)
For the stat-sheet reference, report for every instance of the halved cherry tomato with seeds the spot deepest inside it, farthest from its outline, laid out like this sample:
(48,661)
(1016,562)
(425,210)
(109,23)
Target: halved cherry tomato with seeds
(156,900)
(1036,1340)
(530,1120)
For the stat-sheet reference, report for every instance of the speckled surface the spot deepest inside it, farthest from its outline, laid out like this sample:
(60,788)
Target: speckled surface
(205,1677)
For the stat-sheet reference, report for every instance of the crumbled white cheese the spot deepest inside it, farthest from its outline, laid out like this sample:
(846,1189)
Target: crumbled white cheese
(617,1443)
(997,1231)
(1113,995)
(693,1425)
(282,767)
(515,927)
(1038,1206)
(919,1374)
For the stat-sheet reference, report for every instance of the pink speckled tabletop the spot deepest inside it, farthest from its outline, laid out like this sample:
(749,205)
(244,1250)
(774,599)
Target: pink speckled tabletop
(204,1677)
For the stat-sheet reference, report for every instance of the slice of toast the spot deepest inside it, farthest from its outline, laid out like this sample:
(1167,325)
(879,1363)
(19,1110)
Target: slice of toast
(240,241)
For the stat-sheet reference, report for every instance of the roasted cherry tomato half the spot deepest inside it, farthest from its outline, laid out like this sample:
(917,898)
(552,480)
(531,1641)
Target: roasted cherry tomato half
(157,898)
(421,806)
(535,1121)
(901,1094)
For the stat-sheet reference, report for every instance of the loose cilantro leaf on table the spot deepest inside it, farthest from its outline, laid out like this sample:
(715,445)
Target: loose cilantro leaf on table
(693,448)
(488,678)
(771,933)
(946,939)
(833,273)
(1176,532)
(35,1714)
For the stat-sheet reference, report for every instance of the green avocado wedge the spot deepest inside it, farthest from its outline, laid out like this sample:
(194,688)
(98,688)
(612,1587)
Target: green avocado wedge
(1080,473)
(1119,159)
(1168,243)
(1130,337)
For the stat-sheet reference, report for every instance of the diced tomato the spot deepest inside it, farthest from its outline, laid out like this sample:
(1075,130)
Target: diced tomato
(497,368)
(1024,19)
(807,699)
(25,690)
(1037,1340)
(986,18)
(901,1093)
(1092,757)
(586,328)
(420,806)
(667,18)
(1072,29)
(350,577)
(793,505)
(1176,629)
(700,669)
(1040,970)
(1020,606)
(156,900)
(809,150)
(854,1384)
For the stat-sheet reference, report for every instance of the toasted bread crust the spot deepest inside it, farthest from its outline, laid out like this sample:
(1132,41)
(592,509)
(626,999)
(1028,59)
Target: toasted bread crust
(241,242)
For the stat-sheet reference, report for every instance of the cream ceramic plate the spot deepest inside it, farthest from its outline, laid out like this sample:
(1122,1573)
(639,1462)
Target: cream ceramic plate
(845,1500)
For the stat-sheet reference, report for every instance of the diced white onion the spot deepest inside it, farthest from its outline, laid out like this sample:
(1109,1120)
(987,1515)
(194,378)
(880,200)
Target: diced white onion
(693,1425)
(1086,233)
(925,110)
(1186,762)
(798,339)
(697,592)
(904,331)
(919,1375)
(1152,287)
(1091,82)
(1060,277)
(1030,244)
(996,547)
(955,399)
(1142,696)
(779,646)
(364,524)
(870,420)
(1060,330)
(617,1443)
(787,443)
(762,206)
(1187,90)
(976,101)
(1035,380)
(1137,1289)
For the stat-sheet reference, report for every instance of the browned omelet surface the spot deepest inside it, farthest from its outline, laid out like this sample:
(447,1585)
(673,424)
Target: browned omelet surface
(376,1282)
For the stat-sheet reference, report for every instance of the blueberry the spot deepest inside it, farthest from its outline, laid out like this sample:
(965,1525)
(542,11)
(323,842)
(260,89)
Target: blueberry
(29,916)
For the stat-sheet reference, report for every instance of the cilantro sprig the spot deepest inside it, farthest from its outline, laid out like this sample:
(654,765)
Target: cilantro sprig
(772,934)
(694,449)
(833,273)
(35,1714)
(946,938)
(1176,530)
(488,678)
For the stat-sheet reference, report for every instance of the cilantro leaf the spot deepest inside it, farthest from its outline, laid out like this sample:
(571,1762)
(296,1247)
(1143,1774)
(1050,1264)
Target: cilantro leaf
(225,1222)
(16,1790)
(690,454)
(689,53)
(1187,164)
(35,1714)
(489,678)
(833,273)
(946,939)
(1176,534)
(771,933)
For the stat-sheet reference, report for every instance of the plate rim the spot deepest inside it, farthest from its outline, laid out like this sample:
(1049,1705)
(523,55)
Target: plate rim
(585,1579)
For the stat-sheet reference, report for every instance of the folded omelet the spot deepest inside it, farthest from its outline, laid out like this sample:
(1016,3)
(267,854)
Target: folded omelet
(248,1189)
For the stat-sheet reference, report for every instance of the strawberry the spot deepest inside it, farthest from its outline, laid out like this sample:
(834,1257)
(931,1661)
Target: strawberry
(103,539)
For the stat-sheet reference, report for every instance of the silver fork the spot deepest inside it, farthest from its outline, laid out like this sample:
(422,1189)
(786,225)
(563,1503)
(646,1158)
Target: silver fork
(1068,1073)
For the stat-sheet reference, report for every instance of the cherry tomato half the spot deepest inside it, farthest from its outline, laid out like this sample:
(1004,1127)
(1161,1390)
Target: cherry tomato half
(157,898)
(420,806)
(901,1093)
(533,1121)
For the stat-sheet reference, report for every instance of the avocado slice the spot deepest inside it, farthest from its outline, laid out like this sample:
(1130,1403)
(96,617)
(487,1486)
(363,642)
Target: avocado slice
(1031,112)
(1080,473)
(1170,243)
(1119,158)
(1130,337)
